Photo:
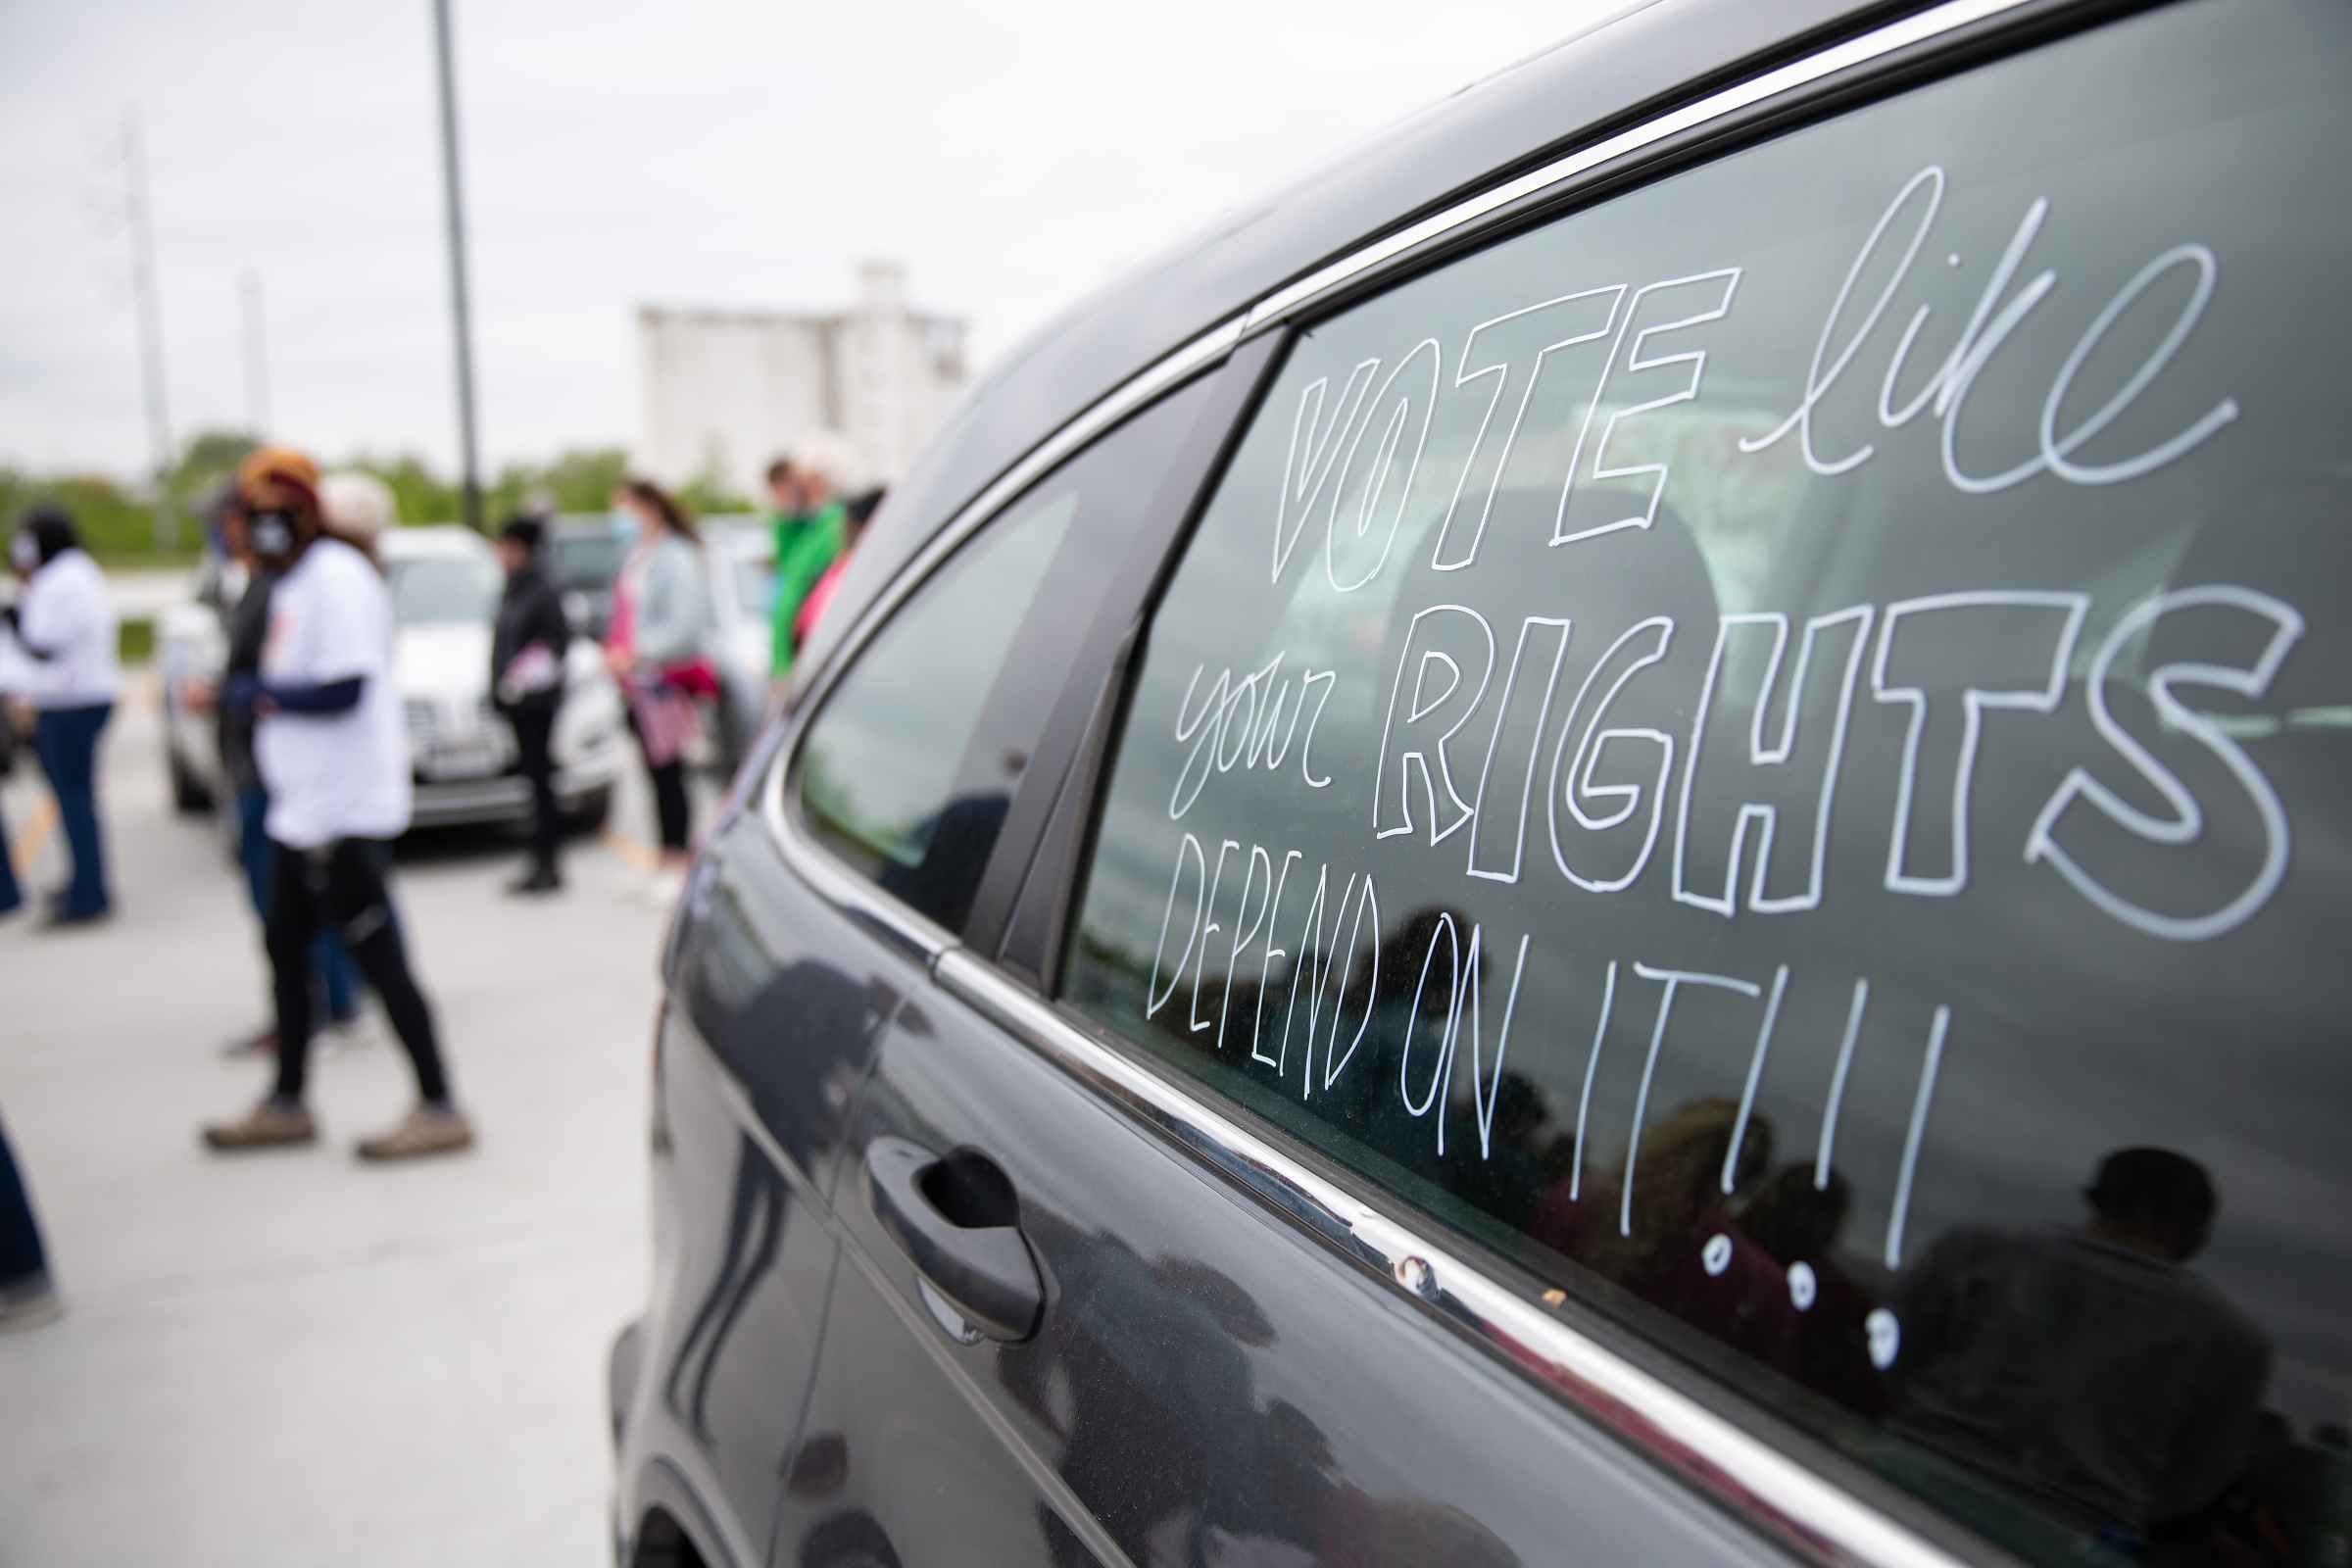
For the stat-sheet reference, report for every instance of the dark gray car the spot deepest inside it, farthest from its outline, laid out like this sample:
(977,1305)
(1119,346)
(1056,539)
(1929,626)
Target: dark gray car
(1618,837)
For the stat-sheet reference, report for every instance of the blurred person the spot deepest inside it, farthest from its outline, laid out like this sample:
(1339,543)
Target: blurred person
(661,623)
(526,682)
(28,1296)
(65,624)
(333,754)
(13,681)
(248,629)
(811,528)
(856,512)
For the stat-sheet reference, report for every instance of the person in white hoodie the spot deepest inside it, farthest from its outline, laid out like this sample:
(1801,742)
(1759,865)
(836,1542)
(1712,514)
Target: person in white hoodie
(64,623)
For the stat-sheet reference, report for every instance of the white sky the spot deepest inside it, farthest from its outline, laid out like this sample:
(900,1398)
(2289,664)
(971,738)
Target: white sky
(1012,156)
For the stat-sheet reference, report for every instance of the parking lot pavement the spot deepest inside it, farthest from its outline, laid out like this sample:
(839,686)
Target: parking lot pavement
(291,1357)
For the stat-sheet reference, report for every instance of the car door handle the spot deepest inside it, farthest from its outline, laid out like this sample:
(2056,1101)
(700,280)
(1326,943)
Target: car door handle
(956,1217)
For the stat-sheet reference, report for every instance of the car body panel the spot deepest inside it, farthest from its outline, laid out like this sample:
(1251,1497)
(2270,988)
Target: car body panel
(765,1041)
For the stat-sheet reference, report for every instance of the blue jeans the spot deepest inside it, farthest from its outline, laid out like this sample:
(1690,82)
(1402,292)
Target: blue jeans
(67,739)
(330,960)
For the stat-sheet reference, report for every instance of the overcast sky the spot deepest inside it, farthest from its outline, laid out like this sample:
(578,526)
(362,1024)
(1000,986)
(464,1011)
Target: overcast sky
(695,153)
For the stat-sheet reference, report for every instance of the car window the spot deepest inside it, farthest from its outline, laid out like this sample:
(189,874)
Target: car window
(585,561)
(1774,749)
(888,777)
(443,590)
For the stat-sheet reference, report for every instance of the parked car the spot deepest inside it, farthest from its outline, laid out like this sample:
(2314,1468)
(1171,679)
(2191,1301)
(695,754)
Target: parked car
(445,584)
(583,558)
(1616,837)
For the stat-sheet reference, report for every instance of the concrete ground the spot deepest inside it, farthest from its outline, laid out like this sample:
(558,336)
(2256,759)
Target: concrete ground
(290,1357)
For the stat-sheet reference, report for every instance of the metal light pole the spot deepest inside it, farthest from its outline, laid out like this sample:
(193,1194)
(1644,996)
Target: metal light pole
(257,359)
(141,227)
(471,488)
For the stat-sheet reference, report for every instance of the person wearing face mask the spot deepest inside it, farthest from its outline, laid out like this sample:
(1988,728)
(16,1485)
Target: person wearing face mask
(248,628)
(65,624)
(333,754)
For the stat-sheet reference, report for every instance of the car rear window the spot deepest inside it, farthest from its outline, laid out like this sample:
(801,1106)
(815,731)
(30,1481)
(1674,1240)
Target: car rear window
(1775,750)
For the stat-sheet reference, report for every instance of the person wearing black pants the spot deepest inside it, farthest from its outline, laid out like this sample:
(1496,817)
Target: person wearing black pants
(342,884)
(526,679)
(332,751)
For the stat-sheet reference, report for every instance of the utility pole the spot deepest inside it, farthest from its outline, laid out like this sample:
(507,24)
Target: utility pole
(257,358)
(141,227)
(453,193)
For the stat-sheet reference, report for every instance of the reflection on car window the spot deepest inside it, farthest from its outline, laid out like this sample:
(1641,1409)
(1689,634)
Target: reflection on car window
(885,775)
(1774,749)
(438,590)
(881,761)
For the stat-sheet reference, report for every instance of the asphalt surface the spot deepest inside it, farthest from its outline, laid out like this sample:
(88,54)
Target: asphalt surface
(291,1357)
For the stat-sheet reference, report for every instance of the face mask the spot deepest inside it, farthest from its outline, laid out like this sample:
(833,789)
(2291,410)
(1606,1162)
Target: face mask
(626,524)
(25,552)
(271,534)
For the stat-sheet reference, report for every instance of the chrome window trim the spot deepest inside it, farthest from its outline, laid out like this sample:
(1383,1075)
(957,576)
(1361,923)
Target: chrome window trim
(1770,1491)
(1798,74)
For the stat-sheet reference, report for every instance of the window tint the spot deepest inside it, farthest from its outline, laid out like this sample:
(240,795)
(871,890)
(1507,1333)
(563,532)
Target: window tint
(910,768)
(1775,749)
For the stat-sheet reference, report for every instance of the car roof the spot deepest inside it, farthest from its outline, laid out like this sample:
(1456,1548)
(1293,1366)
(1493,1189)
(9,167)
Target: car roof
(1625,67)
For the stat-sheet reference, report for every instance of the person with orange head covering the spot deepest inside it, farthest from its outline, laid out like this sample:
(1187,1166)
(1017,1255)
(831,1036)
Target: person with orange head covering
(333,752)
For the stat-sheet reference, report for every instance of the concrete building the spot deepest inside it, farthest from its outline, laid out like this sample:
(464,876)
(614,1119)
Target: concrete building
(724,391)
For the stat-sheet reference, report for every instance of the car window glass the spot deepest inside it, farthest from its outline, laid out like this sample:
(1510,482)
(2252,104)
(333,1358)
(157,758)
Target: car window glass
(888,777)
(1774,749)
(876,772)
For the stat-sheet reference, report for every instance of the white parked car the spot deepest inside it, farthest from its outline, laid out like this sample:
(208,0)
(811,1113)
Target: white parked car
(445,584)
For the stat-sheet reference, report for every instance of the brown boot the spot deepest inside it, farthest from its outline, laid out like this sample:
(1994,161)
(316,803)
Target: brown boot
(270,1124)
(423,1131)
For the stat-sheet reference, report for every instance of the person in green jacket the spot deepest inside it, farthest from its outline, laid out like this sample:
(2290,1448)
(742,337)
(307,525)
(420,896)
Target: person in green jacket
(809,533)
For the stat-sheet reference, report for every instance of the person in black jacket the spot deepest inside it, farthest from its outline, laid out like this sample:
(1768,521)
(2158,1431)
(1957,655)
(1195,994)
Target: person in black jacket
(526,681)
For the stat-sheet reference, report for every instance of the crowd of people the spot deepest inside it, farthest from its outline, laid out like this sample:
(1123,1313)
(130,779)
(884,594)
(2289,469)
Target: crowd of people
(313,749)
